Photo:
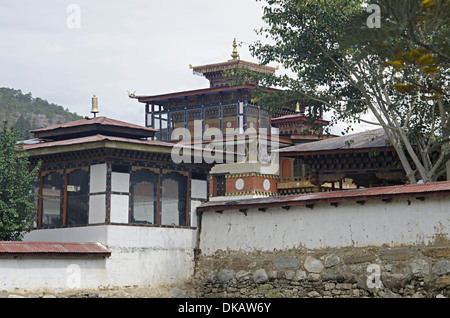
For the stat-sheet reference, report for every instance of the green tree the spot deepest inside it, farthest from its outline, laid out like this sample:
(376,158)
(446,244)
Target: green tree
(17,196)
(22,128)
(397,73)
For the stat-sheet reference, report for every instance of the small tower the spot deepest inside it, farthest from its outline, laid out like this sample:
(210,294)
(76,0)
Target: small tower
(221,74)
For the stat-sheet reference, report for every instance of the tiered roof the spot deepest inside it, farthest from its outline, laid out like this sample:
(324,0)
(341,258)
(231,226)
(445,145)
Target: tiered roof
(94,126)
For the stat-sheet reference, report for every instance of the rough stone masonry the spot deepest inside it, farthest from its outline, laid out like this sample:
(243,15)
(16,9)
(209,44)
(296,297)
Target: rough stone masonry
(381,272)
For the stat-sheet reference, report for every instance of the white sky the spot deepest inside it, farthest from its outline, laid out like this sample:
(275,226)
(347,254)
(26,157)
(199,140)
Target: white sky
(121,45)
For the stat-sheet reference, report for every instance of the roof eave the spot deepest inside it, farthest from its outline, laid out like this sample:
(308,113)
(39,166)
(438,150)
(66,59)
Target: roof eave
(289,201)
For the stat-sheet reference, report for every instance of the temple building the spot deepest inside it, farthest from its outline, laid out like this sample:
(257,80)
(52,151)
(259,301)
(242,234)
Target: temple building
(224,108)
(136,189)
(226,111)
(309,161)
(104,171)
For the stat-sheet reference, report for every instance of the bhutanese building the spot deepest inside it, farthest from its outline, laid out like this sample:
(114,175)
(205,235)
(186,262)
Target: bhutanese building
(118,184)
(225,108)
(106,181)
(224,113)
(100,171)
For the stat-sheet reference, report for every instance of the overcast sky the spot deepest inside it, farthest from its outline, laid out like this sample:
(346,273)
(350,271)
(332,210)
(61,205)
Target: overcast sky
(50,49)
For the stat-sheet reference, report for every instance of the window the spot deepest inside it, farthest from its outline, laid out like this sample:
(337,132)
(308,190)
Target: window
(221,186)
(36,184)
(77,198)
(173,199)
(177,120)
(301,170)
(144,196)
(160,123)
(52,195)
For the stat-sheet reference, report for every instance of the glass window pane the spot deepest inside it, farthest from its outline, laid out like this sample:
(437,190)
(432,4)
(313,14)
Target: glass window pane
(173,199)
(36,184)
(163,128)
(52,194)
(149,120)
(298,168)
(77,198)
(144,193)
(157,123)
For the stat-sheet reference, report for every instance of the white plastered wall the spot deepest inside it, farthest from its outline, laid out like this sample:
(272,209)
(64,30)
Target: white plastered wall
(350,224)
(141,256)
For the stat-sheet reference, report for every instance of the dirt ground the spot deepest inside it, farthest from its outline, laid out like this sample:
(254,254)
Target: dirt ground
(184,291)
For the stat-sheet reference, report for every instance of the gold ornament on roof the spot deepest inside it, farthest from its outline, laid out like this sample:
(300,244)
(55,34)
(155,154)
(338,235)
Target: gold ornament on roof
(235,54)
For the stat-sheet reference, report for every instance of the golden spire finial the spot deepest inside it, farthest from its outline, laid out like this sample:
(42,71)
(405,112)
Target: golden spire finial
(235,54)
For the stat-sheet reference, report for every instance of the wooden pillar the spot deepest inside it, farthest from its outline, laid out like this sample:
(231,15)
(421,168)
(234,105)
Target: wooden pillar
(108,193)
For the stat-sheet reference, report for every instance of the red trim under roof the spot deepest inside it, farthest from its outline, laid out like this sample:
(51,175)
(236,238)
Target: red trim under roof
(72,249)
(95,138)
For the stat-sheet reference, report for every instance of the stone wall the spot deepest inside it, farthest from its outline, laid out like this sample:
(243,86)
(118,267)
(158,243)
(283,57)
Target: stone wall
(381,272)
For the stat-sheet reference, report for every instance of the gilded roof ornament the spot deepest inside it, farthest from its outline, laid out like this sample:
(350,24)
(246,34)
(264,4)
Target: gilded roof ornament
(235,54)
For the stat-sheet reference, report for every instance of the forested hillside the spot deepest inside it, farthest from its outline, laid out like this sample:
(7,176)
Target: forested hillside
(25,112)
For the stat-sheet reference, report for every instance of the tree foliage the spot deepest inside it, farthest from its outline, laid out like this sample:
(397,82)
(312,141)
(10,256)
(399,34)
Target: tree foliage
(22,127)
(398,73)
(17,205)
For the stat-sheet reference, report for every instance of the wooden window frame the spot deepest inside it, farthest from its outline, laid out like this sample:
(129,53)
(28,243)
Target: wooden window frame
(41,193)
(188,190)
(160,173)
(64,173)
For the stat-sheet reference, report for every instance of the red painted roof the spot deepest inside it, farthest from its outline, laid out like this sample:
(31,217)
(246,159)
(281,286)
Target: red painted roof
(104,121)
(53,248)
(379,193)
(296,117)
